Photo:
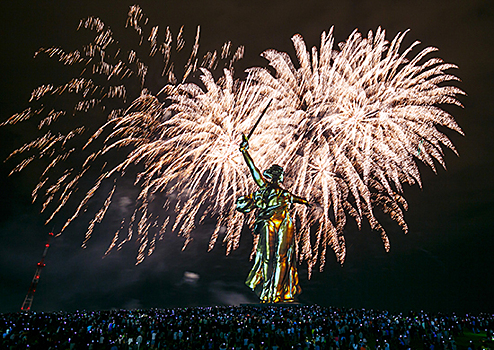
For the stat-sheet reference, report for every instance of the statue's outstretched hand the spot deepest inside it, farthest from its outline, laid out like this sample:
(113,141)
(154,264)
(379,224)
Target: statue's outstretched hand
(244,145)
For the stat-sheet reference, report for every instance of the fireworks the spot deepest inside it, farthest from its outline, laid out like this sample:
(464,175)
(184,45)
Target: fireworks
(347,124)
(358,116)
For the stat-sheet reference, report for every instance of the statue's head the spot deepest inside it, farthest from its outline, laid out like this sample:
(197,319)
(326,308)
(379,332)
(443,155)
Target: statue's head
(274,174)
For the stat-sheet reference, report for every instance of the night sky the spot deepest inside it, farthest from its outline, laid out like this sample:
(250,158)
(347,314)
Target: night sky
(443,264)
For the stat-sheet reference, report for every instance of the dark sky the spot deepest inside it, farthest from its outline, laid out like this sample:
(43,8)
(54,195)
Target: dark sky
(443,264)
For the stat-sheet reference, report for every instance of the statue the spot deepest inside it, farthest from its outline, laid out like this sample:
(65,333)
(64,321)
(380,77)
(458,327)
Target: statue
(274,275)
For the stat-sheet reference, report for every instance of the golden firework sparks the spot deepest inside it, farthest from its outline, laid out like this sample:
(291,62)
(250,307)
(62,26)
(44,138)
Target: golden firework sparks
(346,124)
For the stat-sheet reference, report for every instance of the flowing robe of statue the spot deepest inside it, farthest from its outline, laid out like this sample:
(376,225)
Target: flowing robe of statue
(274,275)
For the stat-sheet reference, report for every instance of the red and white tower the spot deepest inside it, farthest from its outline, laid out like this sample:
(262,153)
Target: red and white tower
(28,301)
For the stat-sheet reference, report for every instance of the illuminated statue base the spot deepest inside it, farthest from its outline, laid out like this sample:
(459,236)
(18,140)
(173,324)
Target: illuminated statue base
(261,305)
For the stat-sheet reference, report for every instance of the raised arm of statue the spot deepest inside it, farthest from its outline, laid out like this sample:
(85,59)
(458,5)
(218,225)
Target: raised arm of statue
(256,174)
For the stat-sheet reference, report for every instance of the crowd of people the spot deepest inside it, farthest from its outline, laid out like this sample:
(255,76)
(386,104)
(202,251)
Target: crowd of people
(238,327)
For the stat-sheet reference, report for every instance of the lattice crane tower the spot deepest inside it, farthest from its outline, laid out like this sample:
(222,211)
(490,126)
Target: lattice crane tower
(28,301)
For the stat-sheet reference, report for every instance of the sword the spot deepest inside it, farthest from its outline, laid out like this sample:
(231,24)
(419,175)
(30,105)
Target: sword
(259,119)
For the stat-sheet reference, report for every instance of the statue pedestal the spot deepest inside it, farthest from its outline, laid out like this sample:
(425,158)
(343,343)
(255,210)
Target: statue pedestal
(261,305)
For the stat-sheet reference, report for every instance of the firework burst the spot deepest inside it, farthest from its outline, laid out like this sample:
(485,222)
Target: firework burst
(359,115)
(192,156)
(349,126)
